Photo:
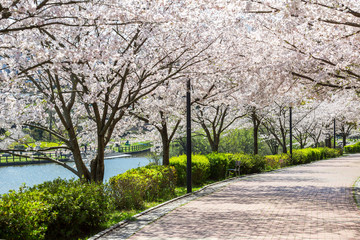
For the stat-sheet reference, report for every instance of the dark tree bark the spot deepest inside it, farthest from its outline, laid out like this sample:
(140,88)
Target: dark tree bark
(256,124)
(279,132)
(345,130)
(166,139)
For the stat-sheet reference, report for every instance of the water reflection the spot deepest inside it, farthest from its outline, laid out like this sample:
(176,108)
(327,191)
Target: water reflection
(13,176)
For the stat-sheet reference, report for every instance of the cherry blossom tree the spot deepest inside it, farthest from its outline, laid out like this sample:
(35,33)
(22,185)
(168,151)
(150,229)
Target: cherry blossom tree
(322,38)
(345,111)
(276,124)
(215,120)
(91,68)
(164,110)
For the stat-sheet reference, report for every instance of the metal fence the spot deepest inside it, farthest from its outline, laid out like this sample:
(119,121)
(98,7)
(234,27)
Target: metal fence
(134,148)
(21,158)
(27,158)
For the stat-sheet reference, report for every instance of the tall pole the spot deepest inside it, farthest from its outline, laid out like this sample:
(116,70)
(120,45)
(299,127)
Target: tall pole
(188,137)
(334,133)
(291,132)
(50,137)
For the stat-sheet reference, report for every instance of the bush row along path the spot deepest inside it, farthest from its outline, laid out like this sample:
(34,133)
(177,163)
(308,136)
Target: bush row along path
(313,201)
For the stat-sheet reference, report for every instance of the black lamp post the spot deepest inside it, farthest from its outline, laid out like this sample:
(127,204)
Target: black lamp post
(291,131)
(334,133)
(188,137)
(50,135)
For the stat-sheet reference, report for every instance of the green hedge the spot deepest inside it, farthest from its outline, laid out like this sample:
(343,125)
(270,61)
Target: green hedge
(200,169)
(277,161)
(307,155)
(354,148)
(249,163)
(24,215)
(219,163)
(53,210)
(132,188)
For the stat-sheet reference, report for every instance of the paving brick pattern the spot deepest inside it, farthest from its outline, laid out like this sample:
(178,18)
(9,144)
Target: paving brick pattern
(313,201)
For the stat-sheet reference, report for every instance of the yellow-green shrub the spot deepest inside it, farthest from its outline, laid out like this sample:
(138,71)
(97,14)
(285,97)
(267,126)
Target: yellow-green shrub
(200,169)
(132,188)
(249,163)
(58,209)
(300,156)
(331,152)
(277,161)
(219,163)
(128,190)
(78,206)
(24,215)
(354,148)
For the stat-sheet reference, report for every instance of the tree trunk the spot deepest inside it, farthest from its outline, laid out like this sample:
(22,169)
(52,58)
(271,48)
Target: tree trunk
(97,164)
(344,140)
(165,142)
(215,143)
(328,142)
(284,147)
(80,166)
(166,150)
(256,144)
(256,125)
(273,145)
(83,172)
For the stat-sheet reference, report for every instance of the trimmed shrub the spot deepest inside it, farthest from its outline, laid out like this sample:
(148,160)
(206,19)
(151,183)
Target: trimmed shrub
(300,156)
(58,209)
(332,153)
(78,206)
(128,190)
(354,148)
(277,161)
(200,169)
(315,154)
(307,155)
(219,163)
(24,215)
(163,182)
(132,188)
(249,163)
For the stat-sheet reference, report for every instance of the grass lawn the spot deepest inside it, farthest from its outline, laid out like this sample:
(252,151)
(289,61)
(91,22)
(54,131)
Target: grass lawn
(46,144)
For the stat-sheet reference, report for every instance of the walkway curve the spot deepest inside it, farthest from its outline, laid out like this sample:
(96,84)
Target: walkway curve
(313,201)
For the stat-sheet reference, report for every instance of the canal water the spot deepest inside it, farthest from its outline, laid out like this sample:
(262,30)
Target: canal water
(12,177)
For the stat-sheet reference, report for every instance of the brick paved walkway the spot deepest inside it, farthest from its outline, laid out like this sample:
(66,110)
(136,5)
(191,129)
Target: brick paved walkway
(314,201)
